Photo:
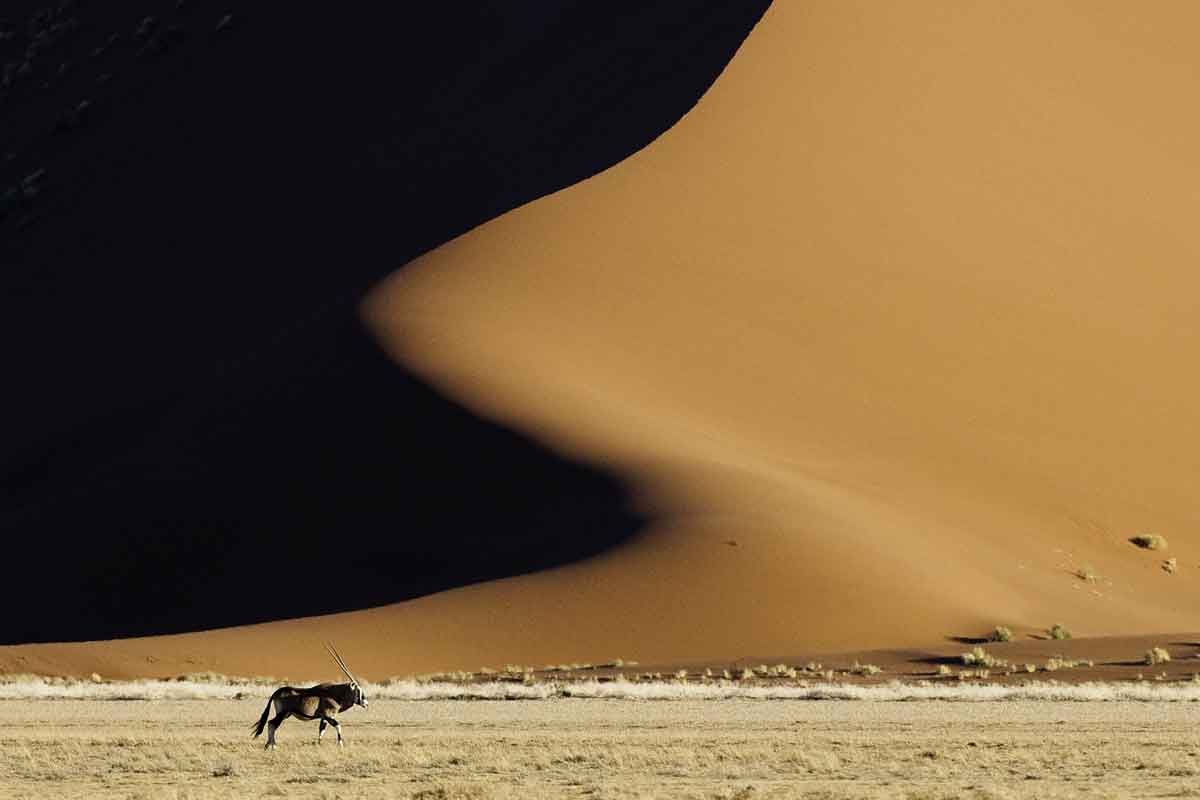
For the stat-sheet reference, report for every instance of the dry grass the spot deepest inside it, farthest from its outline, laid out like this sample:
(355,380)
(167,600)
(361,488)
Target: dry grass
(1058,631)
(599,749)
(1000,634)
(1157,655)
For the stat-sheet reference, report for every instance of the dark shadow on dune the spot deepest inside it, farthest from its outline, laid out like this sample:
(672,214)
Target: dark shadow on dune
(196,429)
(968,639)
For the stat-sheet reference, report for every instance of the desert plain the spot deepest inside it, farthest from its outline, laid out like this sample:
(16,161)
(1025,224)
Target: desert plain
(597,748)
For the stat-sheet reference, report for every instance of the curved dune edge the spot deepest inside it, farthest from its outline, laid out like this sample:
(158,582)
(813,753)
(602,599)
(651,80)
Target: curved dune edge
(905,309)
(894,332)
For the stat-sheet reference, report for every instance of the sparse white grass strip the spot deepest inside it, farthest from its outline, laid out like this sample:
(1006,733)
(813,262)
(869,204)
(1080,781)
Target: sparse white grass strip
(623,690)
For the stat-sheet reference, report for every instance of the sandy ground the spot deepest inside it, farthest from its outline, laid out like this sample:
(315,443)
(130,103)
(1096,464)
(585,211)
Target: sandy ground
(1099,659)
(614,749)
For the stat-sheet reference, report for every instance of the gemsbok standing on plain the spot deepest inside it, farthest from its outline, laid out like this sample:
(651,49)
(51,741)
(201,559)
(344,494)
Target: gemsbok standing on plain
(323,701)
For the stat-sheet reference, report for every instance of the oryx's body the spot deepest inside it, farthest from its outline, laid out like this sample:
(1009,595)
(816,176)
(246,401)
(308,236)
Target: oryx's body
(323,701)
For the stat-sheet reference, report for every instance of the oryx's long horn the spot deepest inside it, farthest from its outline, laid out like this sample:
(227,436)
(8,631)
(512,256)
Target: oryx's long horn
(341,664)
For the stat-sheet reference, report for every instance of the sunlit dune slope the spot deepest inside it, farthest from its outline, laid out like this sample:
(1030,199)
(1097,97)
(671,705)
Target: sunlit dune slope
(895,332)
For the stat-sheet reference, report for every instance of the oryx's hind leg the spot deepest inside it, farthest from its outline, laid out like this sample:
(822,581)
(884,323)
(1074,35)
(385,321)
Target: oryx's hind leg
(321,730)
(336,727)
(272,726)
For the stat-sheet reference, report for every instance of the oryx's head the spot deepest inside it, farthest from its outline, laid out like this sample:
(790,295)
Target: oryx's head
(360,699)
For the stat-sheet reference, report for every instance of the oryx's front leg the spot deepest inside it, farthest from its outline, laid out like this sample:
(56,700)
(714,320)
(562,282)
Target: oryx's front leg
(336,727)
(321,731)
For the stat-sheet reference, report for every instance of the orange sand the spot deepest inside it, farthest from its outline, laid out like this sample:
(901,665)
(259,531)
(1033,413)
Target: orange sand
(894,332)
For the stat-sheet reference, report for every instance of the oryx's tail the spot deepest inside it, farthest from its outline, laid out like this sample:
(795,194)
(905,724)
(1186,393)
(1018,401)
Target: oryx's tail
(262,721)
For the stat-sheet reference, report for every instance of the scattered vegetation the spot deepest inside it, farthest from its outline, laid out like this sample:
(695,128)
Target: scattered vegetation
(1150,541)
(864,669)
(977,656)
(1058,631)
(1157,655)
(1055,663)
(1170,565)
(1087,573)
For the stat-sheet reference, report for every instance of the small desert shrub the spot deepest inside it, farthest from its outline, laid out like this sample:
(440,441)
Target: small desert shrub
(981,658)
(972,657)
(1157,655)
(1087,573)
(1058,631)
(1151,541)
(944,669)
(1031,667)
(745,675)
(1055,663)
(224,770)
(865,669)
(1000,634)
(1170,565)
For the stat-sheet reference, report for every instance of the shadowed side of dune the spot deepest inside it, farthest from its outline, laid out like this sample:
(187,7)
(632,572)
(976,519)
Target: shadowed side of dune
(197,430)
(353,485)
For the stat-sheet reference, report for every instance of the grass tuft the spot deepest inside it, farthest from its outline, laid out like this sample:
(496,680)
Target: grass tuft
(1000,634)
(1157,655)
(1058,631)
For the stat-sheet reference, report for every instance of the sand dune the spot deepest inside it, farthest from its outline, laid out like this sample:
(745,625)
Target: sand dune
(894,332)
(905,308)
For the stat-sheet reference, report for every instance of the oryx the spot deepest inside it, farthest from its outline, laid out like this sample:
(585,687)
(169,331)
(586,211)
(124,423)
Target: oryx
(321,702)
